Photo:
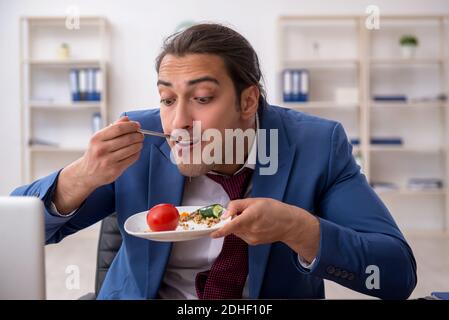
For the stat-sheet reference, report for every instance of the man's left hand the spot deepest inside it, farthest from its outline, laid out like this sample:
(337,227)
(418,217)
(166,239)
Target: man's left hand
(265,220)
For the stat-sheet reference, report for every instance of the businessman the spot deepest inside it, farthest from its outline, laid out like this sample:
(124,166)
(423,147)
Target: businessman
(301,210)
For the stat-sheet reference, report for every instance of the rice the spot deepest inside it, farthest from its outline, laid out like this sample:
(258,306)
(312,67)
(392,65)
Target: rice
(198,219)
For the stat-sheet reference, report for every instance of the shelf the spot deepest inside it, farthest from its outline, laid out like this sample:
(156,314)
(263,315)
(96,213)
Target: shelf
(401,149)
(57,149)
(376,148)
(401,62)
(320,63)
(64,63)
(320,105)
(71,106)
(37,21)
(411,192)
(407,105)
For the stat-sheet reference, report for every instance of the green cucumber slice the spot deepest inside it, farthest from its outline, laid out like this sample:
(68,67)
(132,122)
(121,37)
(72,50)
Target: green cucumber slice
(217,210)
(211,211)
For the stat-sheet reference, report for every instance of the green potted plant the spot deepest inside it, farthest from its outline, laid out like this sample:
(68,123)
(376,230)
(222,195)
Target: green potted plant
(408,46)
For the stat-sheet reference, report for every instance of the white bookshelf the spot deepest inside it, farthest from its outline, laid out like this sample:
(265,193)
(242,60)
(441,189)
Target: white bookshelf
(48,112)
(338,51)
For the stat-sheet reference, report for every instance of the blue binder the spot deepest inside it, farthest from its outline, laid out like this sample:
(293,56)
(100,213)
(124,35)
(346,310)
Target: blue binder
(74,85)
(287,85)
(82,84)
(304,85)
(98,83)
(90,78)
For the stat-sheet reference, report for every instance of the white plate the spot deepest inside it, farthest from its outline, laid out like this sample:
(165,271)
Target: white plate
(137,226)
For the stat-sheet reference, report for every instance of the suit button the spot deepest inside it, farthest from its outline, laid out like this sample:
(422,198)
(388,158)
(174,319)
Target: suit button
(351,276)
(337,272)
(330,269)
(344,274)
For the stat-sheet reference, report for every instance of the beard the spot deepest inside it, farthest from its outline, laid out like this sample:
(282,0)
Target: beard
(194,170)
(190,162)
(188,167)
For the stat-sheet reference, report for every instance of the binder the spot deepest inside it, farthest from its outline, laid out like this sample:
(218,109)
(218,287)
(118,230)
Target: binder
(96,122)
(98,84)
(90,79)
(82,83)
(303,90)
(287,85)
(74,85)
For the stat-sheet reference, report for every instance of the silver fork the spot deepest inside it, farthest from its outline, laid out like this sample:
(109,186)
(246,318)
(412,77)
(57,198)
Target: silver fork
(157,134)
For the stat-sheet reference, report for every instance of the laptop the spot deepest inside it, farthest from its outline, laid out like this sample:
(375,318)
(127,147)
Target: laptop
(22,239)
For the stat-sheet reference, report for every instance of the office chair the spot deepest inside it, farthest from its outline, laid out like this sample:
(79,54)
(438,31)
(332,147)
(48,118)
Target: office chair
(109,243)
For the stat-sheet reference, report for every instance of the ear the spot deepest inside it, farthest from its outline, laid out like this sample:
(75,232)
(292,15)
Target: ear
(249,102)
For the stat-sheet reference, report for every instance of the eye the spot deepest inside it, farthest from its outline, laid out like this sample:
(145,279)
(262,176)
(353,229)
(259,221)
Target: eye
(204,100)
(168,102)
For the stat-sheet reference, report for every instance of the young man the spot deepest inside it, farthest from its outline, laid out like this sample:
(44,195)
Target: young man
(306,215)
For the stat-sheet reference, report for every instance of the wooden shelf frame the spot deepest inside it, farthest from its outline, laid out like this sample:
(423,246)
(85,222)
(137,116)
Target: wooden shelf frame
(29,64)
(364,65)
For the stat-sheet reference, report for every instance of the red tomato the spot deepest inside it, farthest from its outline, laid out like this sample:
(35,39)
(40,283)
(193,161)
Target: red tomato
(163,217)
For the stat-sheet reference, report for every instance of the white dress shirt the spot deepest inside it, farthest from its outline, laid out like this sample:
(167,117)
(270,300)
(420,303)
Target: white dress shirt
(191,257)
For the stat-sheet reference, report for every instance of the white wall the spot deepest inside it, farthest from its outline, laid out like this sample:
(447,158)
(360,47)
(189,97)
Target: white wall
(138,27)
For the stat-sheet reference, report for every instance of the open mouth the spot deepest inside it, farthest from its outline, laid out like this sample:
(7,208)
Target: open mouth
(186,143)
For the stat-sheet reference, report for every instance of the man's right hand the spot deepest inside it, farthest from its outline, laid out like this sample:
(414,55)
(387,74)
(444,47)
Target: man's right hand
(110,152)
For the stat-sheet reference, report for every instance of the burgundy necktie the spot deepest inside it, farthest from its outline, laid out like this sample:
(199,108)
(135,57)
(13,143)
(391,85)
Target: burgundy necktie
(227,276)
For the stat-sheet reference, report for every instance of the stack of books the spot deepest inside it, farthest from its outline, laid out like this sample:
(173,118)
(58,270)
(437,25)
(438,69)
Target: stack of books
(424,183)
(390,98)
(396,141)
(384,186)
(85,84)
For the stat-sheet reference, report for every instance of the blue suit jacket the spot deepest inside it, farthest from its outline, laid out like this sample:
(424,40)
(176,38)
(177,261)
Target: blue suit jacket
(316,172)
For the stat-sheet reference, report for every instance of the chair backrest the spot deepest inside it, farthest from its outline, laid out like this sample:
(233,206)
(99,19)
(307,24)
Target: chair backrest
(109,243)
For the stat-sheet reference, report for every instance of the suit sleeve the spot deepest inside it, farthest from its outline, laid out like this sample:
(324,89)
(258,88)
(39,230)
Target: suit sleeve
(361,246)
(97,206)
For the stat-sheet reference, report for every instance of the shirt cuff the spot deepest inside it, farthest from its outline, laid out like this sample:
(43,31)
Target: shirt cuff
(305,264)
(54,211)
(50,205)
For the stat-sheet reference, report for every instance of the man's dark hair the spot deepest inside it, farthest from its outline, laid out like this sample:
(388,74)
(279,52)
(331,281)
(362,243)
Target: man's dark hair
(239,57)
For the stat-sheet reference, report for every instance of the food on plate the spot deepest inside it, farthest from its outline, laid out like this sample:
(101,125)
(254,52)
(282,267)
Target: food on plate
(209,215)
(163,217)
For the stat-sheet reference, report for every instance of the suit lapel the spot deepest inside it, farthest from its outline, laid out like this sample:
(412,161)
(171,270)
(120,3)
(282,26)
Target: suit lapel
(268,186)
(166,185)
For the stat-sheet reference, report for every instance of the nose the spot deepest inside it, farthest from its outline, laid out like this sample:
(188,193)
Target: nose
(182,118)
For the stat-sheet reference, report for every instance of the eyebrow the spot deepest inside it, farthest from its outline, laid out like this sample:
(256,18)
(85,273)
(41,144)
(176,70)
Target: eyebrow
(191,82)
